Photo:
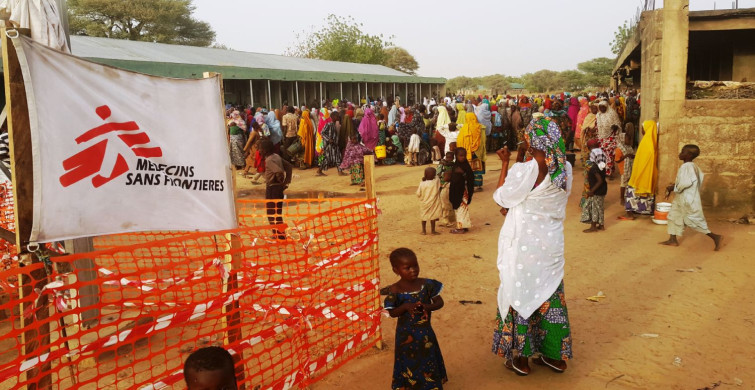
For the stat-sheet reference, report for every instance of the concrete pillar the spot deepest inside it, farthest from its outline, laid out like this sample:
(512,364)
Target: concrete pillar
(673,87)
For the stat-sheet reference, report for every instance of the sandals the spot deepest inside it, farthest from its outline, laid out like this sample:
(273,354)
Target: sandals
(540,361)
(511,366)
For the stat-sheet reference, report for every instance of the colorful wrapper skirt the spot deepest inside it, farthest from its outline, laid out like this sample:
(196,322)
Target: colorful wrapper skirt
(546,332)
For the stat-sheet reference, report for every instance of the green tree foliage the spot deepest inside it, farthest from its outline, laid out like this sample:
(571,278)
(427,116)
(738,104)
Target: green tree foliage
(494,84)
(597,71)
(165,21)
(342,39)
(400,59)
(620,38)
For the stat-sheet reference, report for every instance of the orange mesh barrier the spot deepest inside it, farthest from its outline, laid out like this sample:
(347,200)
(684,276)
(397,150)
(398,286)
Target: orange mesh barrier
(129,314)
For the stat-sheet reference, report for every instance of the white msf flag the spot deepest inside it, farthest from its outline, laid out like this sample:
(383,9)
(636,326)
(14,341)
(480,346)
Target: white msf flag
(116,151)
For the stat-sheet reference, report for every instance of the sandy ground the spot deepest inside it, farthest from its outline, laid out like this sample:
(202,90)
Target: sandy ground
(705,317)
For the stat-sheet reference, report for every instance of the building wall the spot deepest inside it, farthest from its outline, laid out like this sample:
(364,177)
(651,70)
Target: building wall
(723,129)
(725,132)
(651,31)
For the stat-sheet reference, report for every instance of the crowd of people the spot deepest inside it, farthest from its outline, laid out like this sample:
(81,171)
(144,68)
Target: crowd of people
(452,136)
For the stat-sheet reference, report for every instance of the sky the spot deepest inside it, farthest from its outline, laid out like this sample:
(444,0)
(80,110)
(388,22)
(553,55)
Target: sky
(447,38)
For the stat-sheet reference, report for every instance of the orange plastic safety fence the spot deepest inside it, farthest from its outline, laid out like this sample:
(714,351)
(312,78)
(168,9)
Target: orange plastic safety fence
(127,315)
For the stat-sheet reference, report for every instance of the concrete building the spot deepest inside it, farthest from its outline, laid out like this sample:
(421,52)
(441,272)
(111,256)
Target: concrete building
(260,79)
(670,50)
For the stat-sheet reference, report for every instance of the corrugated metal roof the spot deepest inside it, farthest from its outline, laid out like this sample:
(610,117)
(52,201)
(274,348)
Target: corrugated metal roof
(185,61)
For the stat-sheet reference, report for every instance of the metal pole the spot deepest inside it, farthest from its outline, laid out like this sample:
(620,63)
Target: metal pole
(366,93)
(251,92)
(321,98)
(382,96)
(341,91)
(280,94)
(406,92)
(269,96)
(359,93)
(305,94)
(297,94)
(394,90)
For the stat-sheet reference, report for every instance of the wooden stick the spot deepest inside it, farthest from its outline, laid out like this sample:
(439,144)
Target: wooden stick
(232,318)
(369,180)
(35,340)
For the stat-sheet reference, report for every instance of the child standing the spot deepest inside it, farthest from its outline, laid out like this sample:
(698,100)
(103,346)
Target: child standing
(428,193)
(412,151)
(447,215)
(436,154)
(687,208)
(418,361)
(593,209)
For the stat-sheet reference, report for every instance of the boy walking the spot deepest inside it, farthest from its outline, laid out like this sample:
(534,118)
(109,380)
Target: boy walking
(687,208)
(278,177)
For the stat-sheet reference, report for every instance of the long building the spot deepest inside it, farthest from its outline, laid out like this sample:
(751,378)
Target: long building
(260,79)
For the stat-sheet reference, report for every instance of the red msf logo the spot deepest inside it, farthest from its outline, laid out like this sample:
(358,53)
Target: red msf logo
(88,162)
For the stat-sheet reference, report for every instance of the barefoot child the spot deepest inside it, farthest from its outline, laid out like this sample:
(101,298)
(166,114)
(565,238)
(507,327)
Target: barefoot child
(687,208)
(592,211)
(418,361)
(430,205)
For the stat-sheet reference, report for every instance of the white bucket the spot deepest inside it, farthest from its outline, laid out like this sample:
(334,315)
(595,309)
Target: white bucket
(663,207)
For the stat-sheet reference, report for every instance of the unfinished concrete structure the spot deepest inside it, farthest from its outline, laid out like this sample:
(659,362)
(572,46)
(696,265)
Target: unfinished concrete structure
(672,48)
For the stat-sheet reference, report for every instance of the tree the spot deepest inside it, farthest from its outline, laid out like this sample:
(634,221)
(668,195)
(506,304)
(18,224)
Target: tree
(342,39)
(571,80)
(400,59)
(620,38)
(496,83)
(456,84)
(541,81)
(165,21)
(597,71)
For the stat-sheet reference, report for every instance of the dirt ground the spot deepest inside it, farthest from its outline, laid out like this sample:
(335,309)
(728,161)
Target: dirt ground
(705,318)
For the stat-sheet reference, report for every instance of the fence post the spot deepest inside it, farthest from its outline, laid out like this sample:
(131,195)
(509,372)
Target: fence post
(232,317)
(369,180)
(34,341)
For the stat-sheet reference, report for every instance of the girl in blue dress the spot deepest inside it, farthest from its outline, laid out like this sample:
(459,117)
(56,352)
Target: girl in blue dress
(418,362)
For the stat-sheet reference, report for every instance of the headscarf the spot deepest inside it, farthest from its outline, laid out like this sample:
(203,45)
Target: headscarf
(274,126)
(584,109)
(392,115)
(305,133)
(240,122)
(368,129)
(573,110)
(606,120)
(461,115)
(483,114)
(543,134)
(598,157)
(469,135)
(443,118)
(324,119)
(260,118)
(644,172)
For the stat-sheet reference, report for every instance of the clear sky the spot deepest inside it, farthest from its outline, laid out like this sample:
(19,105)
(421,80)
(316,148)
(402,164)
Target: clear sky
(448,38)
